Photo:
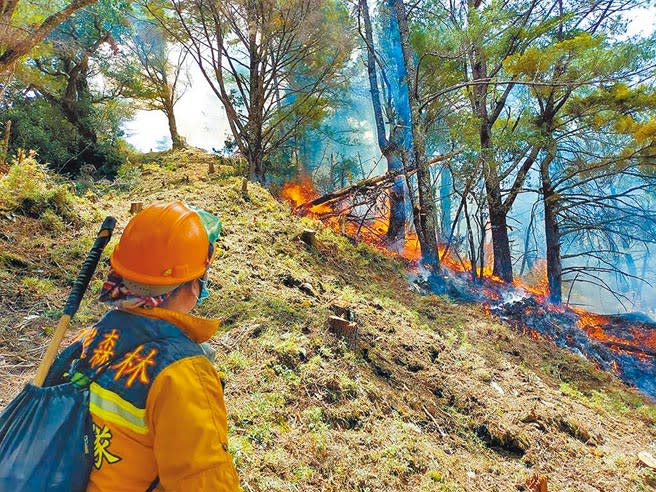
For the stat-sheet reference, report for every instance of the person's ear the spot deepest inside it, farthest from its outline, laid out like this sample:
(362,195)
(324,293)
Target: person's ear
(195,288)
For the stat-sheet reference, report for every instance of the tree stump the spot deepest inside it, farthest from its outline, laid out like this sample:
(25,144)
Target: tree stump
(537,483)
(309,237)
(344,329)
(244,188)
(342,311)
(136,207)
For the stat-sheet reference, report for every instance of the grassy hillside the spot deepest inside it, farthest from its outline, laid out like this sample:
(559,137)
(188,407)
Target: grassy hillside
(432,396)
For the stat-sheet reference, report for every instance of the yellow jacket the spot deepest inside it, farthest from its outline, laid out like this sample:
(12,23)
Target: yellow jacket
(157,410)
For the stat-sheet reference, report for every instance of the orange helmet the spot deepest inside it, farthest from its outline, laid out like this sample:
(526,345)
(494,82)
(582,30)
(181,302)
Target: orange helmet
(166,244)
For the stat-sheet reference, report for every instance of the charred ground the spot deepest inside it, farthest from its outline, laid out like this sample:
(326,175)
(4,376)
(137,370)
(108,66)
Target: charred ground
(432,396)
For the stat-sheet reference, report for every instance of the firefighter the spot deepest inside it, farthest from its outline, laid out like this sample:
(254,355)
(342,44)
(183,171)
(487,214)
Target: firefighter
(155,398)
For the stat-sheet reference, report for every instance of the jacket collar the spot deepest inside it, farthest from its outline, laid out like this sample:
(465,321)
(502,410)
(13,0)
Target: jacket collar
(198,329)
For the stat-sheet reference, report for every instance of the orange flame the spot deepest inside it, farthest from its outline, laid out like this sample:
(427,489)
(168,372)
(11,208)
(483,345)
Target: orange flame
(536,281)
(373,232)
(596,326)
(299,192)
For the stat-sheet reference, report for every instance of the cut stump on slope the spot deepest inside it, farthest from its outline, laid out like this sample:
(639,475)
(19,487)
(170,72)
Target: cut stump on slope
(537,483)
(344,329)
(309,237)
(136,207)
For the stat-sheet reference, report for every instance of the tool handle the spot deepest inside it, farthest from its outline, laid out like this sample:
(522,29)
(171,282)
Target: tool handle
(75,297)
(89,266)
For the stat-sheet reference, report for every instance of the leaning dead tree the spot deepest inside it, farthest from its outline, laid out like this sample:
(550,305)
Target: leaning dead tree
(366,186)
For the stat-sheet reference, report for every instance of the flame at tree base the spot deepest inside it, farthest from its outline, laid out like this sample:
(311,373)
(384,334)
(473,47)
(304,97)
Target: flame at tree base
(625,345)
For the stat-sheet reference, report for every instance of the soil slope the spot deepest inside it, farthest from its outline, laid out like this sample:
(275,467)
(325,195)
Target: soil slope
(431,396)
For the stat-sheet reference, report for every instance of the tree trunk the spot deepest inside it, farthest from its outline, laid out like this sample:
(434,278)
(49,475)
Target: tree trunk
(498,212)
(641,285)
(446,183)
(527,258)
(497,208)
(552,232)
(76,102)
(500,245)
(633,271)
(177,142)
(396,230)
(256,98)
(481,246)
(470,240)
(426,213)
(396,226)
(256,169)
(255,156)
(498,215)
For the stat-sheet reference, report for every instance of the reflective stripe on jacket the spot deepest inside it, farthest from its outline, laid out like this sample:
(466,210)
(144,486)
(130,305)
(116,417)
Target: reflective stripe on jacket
(158,408)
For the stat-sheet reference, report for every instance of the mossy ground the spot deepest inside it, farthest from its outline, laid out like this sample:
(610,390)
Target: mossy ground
(433,396)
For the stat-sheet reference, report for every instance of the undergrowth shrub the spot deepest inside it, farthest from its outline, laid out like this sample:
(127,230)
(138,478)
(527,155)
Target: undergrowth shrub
(52,222)
(29,189)
(127,177)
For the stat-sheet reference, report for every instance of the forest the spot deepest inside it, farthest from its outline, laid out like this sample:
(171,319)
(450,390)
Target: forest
(514,136)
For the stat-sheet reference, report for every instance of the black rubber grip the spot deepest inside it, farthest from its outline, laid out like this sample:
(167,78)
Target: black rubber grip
(89,266)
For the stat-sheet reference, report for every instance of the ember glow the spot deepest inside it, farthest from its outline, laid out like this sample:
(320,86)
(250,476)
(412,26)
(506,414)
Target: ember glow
(624,345)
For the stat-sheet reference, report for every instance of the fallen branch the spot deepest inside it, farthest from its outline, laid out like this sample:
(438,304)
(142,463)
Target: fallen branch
(25,45)
(432,417)
(367,184)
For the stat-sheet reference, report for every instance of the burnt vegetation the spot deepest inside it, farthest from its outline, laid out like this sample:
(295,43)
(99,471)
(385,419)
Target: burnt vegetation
(412,390)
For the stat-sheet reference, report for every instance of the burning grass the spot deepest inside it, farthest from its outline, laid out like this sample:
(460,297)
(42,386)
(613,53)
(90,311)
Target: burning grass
(524,302)
(433,396)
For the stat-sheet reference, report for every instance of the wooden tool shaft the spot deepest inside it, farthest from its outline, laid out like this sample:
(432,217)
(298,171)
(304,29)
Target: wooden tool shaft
(51,352)
(75,297)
